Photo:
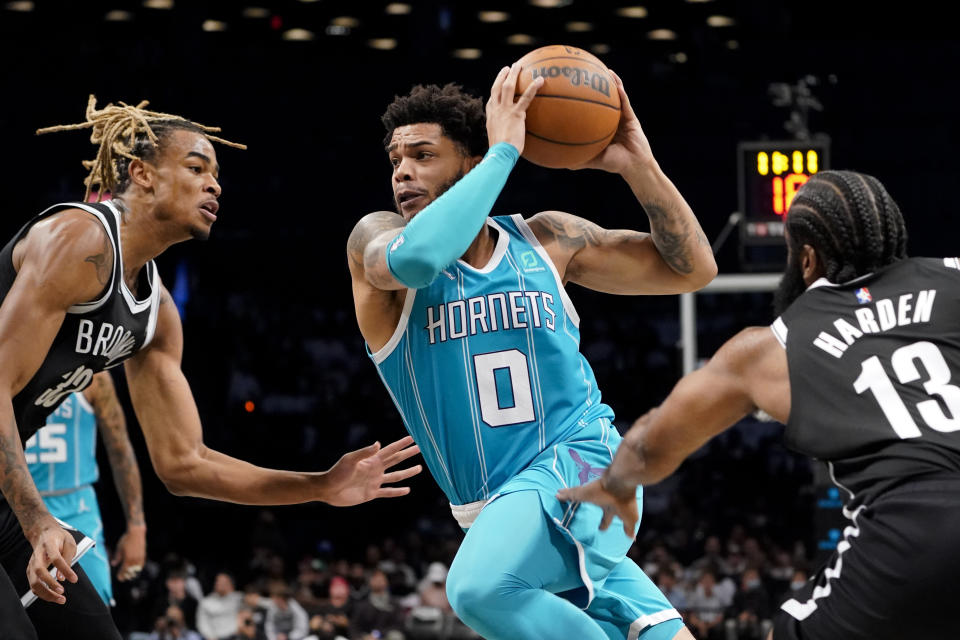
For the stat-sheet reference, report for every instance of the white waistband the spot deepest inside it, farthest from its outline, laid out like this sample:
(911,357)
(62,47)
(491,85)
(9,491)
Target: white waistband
(465,514)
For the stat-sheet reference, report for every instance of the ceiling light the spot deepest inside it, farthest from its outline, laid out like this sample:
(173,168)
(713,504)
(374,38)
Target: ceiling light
(345,21)
(493,16)
(600,48)
(721,21)
(384,44)
(662,34)
(520,38)
(733,45)
(158,4)
(579,26)
(214,25)
(679,57)
(467,54)
(118,15)
(398,8)
(550,4)
(22,6)
(334,30)
(698,1)
(632,12)
(255,12)
(308,1)
(298,34)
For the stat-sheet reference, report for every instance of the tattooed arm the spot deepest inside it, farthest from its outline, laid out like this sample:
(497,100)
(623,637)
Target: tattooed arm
(377,296)
(131,549)
(673,258)
(63,260)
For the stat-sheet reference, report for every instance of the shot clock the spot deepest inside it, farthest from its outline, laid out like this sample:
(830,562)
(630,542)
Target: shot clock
(770,173)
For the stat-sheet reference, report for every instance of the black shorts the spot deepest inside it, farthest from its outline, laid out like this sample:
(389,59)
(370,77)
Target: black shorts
(895,575)
(84,616)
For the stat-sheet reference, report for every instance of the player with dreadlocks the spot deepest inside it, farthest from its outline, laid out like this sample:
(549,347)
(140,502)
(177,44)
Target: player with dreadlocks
(80,293)
(863,367)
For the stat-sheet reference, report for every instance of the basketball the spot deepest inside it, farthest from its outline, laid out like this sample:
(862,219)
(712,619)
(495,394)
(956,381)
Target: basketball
(575,113)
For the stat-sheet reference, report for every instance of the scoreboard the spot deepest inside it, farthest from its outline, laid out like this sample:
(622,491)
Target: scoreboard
(770,173)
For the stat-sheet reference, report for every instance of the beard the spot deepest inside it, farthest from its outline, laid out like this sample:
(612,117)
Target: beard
(791,286)
(433,196)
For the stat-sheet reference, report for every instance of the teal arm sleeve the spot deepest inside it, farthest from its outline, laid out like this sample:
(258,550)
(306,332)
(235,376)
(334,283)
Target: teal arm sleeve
(444,230)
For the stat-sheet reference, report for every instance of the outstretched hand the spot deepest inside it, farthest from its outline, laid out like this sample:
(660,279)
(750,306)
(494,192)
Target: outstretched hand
(622,505)
(359,476)
(53,546)
(629,145)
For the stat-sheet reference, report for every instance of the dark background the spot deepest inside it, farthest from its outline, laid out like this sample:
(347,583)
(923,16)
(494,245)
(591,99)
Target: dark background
(269,314)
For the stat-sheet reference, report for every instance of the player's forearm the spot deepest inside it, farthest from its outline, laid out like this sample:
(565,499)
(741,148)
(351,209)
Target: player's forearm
(16,482)
(126,477)
(637,461)
(444,230)
(674,228)
(214,475)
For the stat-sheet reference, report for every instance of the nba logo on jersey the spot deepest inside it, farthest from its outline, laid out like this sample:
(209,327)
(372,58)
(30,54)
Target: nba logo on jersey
(863,295)
(529,262)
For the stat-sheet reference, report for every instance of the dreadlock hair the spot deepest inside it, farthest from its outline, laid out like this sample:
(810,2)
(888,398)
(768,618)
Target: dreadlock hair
(850,220)
(460,115)
(124,133)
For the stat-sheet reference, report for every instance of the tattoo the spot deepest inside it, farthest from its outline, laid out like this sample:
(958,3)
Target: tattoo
(103,261)
(671,234)
(17,484)
(113,427)
(366,230)
(574,233)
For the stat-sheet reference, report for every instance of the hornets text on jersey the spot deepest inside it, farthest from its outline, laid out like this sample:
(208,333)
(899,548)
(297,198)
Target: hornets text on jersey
(485,367)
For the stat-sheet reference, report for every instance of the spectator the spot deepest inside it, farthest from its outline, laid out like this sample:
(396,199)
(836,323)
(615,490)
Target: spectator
(247,626)
(176,596)
(751,606)
(258,605)
(333,619)
(286,619)
(672,589)
(171,626)
(706,607)
(217,613)
(433,588)
(711,558)
(378,613)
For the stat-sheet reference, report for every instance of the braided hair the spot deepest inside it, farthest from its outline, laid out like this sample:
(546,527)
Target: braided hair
(124,133)
(850,220)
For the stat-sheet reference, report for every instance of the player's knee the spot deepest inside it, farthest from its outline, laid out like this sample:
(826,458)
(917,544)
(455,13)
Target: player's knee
(471,592)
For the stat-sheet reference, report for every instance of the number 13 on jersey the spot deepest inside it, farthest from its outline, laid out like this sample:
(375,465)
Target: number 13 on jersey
(503,387)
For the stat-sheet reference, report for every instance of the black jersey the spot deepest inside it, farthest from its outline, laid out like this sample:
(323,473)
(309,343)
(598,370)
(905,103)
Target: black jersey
(875,374)
(95,335)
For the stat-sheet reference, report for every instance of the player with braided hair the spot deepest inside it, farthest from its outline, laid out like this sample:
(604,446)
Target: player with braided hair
(863,368)
(80,293)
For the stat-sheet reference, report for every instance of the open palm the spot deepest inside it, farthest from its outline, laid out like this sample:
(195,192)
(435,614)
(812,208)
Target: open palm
(359,476)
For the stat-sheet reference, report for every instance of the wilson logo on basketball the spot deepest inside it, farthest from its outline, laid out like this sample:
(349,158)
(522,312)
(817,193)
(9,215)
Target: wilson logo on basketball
(595,80)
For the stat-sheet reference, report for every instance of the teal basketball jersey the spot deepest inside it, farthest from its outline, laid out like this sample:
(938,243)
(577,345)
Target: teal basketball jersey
(485,366)
(63,454)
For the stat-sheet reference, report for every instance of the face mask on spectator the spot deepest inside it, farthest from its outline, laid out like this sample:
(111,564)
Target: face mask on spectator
(797,584)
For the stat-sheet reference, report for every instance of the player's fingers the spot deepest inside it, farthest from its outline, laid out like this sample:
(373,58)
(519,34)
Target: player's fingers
(629,526)
(625,107)
(569,495)
(509,87)
(529,93)
(366,452)
(606,520)
(392,492)
(397,445)
(403,474)
(402,455)
(46,592)
(42,576)
(496,89)
(64,570)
